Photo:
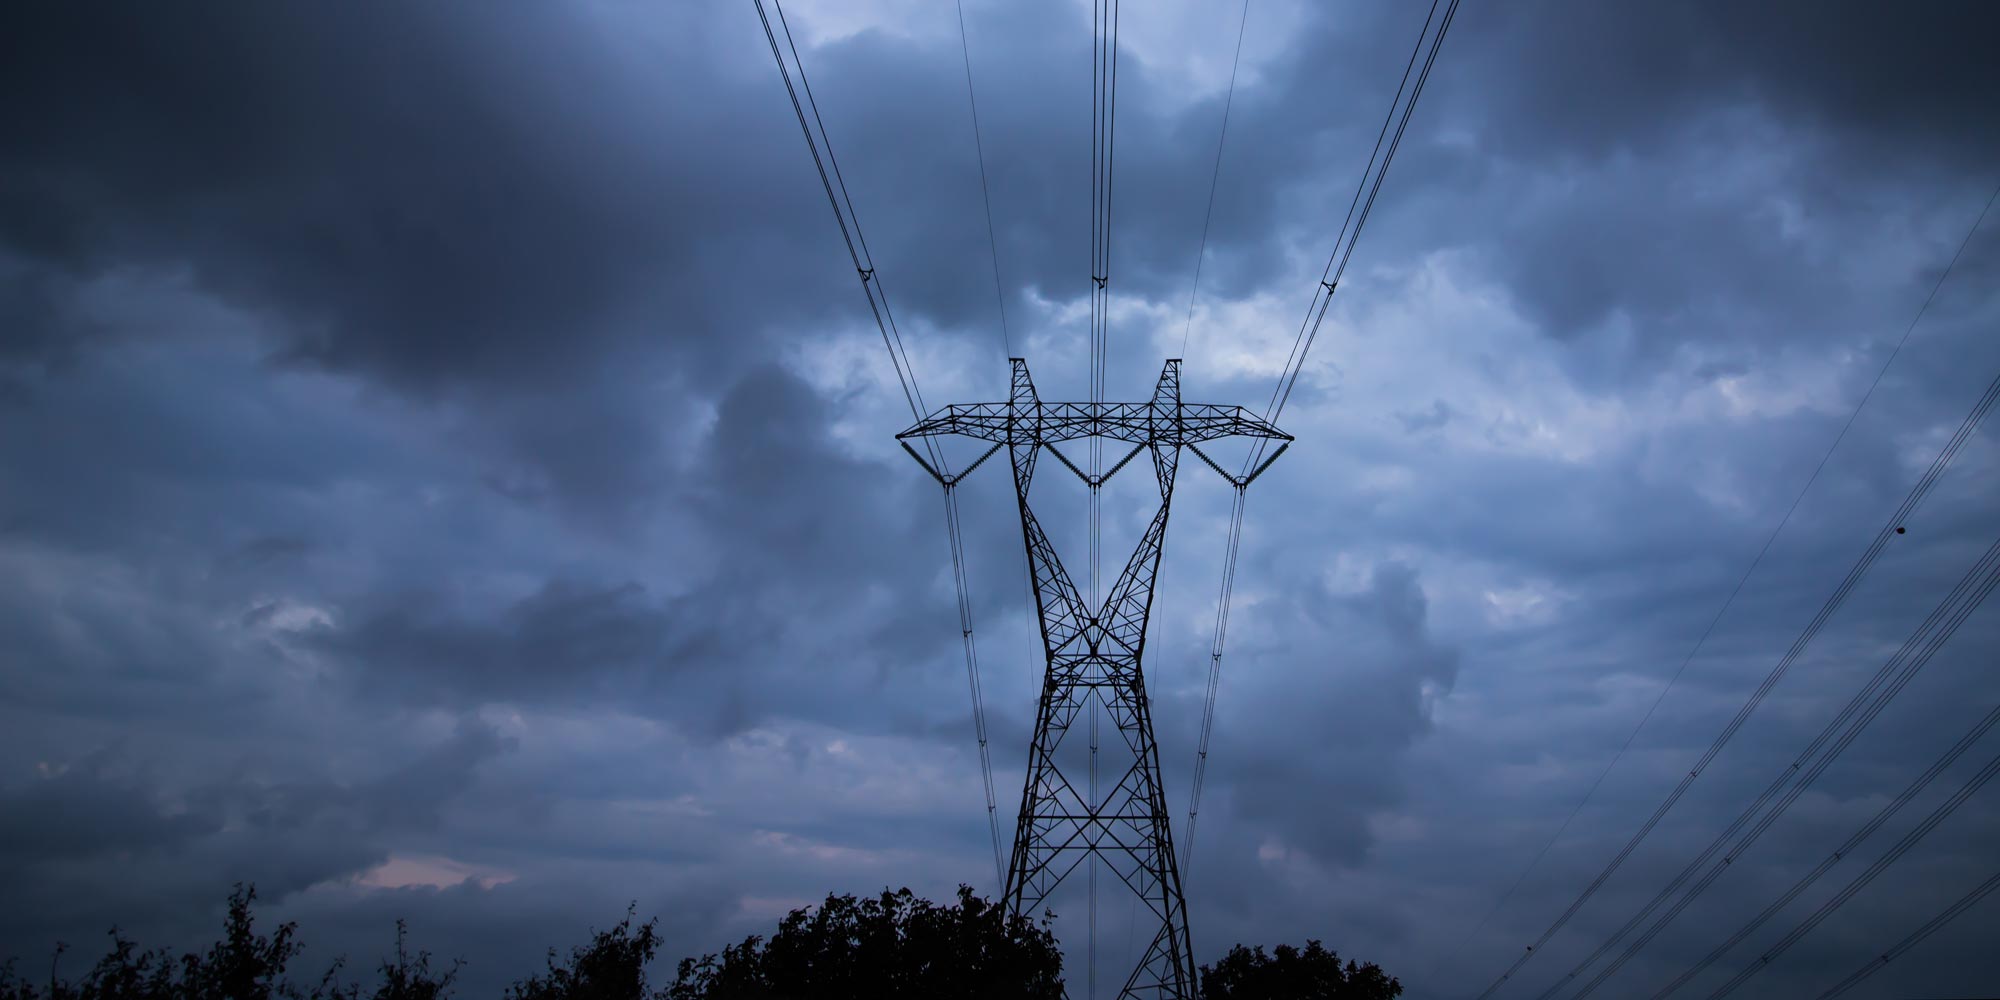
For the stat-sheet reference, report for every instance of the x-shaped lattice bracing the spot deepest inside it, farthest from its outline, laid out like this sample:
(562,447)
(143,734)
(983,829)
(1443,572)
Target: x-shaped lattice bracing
(1093,654)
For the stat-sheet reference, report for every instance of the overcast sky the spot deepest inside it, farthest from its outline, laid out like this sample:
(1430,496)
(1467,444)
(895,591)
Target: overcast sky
(449,466)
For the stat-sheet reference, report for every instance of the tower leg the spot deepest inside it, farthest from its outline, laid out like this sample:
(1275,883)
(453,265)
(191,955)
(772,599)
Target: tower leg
(1092,654)
(1093,658)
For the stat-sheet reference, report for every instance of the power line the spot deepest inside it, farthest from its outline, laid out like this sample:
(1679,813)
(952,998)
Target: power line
(1833,602)
(849,222)
(1103,149)
(1847,847)
(963,586)
(1215,176)
(951,495)
(1345,242)
(835,185)
(1255,460)
(1916,937)
(1699,643)
(1702,640)
(985,198)
(1861,710)
(1222,603)
(1236,510)
(1859,882)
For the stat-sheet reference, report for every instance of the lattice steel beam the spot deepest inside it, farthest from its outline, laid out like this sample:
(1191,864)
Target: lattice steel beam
(1093,657)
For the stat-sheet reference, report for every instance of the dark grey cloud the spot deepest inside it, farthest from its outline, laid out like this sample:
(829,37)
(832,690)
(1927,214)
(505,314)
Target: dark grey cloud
(81,812)
(116,827)
(403,202)
(551,641)
(1371,700)
(1733,147)
(1601,79)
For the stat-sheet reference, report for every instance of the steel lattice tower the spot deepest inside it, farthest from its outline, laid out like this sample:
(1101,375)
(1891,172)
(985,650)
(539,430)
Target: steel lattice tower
(1093,654)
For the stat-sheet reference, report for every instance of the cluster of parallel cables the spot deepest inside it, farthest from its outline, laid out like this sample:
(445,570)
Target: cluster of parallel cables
(1723,851)
(828,167)
(1402,105)
(1103,150)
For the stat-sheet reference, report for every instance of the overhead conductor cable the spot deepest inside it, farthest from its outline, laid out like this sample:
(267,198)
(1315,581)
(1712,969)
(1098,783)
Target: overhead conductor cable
(1861,710)
(885,322)
(1370,183)
(1646,828)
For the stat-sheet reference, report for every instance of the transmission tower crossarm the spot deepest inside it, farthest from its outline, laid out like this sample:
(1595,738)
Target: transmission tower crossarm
(1093,653)
(1135,423)
(1026,419)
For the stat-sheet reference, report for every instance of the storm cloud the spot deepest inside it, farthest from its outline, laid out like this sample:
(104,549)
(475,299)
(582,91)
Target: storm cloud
(449,466)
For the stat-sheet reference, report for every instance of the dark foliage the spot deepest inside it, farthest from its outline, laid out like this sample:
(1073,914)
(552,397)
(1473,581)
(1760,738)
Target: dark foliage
(244,965)
(406,978)
(611,967)
(893,946)
(1291,974)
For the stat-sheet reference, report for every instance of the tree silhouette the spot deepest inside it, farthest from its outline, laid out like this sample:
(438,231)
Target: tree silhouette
(611,967)
(1291,974)
(407,978)
(244,965)
(892,946)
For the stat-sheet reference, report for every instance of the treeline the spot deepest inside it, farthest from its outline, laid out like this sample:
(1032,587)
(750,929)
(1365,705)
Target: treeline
(895,946)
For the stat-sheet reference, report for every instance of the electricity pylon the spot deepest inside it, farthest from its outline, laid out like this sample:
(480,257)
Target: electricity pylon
(1093,653)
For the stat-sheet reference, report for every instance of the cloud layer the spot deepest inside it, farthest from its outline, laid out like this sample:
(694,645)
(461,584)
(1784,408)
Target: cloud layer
(450,469)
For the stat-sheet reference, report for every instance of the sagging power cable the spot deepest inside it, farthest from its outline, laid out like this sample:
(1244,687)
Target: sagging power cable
(1916,937)
(1214,679)
(835,185)
(1833,602)
(1347,240)
(1103,148)
(1862,709)
(1369,185)
(1859,882)
(1236,511)
(985,196)
(1214,177)
(1701,641)
(1979,590)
